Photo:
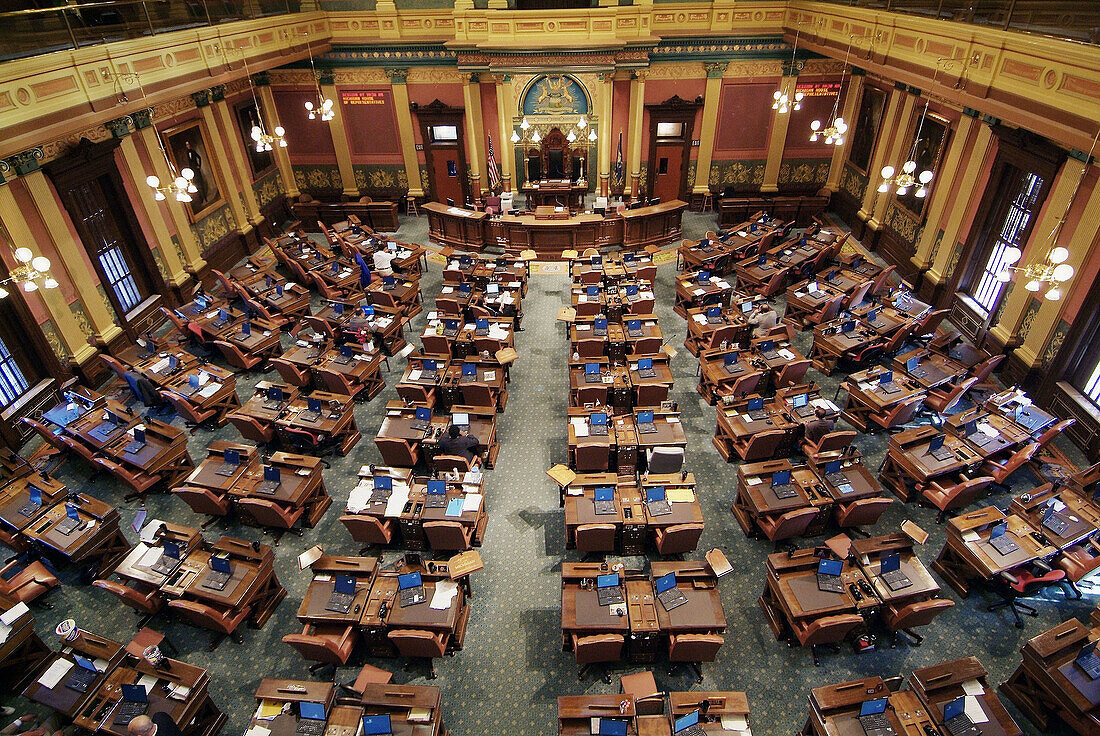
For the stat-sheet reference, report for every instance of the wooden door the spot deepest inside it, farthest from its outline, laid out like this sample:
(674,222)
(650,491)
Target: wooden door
(671,126)
(441,130)
(670,171)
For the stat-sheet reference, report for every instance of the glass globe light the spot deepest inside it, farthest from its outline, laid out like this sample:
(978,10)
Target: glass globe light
(29,286)
(1063,272)
(3,293)
(23,255)
(159,196)
(41,263)
(571,137)
(50,283)
(841,125)
(909,167)
(1058,255)
(887,172)
(536,137)
(256,134)
(309,105)
(883,188)
(188,174)
(815,125)
(181,182)
(777,95)
(523,124)
(592,136)
(279,130)
(1011,255)
(1032,285)
(1054,294)
(925,177)
(902,191)
(921,193)
(152,181)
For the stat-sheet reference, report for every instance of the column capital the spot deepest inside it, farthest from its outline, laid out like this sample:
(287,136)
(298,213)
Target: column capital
(639,74)
(5,168)
(398,75)
(201,98)
(715,69)
(26,162)
(261,79)
(474,78)
(119,127)
(327,78)
(606,76)
(217,93)
(142,118)
(792,68)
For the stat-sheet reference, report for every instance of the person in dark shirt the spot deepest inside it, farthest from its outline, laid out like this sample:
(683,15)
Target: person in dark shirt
(456,443)
(160,724)
(819,426)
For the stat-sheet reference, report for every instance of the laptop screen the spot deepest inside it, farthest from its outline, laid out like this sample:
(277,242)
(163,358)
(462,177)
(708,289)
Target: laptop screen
(598,419)
(135,693)
(437,487)
(450,324)
(954,708)
(830,567)
(715,311)
(645,364)
(731,358)
(460,419)
(35,495)
(612,727)
(656,493)
(72,512)
(383,483)
(465,288)
(368,310)
(704,276)
(935,443)
(746,307)
(832,467)
(645,417)
(469,369)
(912,363)
(592,290)
(430,365)
(848,326)
(998,530)
(756,404)
(424,413)
(482,323)
(800,400)
(886,377)
(171,549)
(766,346)
(592,368)
(85,663)
(313,404)
(275,393)
(687,721)
(635,324)
(607,581)
(344,584)
(872,707)
(374,725)
(312,711)
(604,494)
(1087,651)
(220,564)
(271,473)
(890,563)
(492,288)
(872,315)
(600,323)
(781,477)
(665,582)
(409,580)
(631,290)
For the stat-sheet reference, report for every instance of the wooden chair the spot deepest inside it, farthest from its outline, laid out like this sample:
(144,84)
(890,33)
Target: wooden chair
(760,446)
(449,536)
(368,531)
(397,452)
(794,523)
(694,649)
(825,631)
(222,622)
(324,644)
(905,618)
(292,374)
(592,458)
(417,644)
(597,649)
(950,493)
(791,374)
(678,538)
(593,538)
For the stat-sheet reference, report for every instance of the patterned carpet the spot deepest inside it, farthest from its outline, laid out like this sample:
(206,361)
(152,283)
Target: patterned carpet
(512,669)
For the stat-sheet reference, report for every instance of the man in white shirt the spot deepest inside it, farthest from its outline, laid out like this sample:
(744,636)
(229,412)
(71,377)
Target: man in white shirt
(763,320)
(383,262)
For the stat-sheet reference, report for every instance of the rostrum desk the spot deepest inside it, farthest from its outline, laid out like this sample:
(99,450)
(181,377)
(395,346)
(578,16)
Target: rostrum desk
(657,225)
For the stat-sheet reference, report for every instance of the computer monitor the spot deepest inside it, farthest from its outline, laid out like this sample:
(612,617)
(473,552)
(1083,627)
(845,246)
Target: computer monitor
(645,364)
(383,483)
(830,567)
(872,707)
(685,722)
(656,493)
(781,477)
(377,725)
(600,323)
(598,419)
(592,368)
(450,324)
(604,493)
(465,287)
(645,417)
(460,419)
(424,413)
(746,307)
(607,581)
(220,564)
(800,400)
(437,487)
(312,711)
(344,584)
(756,404)
(409,580)
(890,563)
(271,473)
(766,346)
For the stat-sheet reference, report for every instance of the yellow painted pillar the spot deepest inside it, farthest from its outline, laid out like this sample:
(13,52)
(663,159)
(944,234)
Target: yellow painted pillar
(637,106)
(176,275)
(1079,243)
(74,343)
(505,112)
(70,250)
(218,165)
(398,79)
(235,146)
(271,118)
(840,152)
(971,171)
(184,233)
(1005,331)
(604,132)
(941,188)
(709,131)
(778,138)
(339,137)
(882,144)
(896,154)
(471,95)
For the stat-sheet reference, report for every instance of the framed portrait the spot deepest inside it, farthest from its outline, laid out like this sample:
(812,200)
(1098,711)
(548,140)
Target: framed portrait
(188,150)
(929,151)
(868,123)
(261,162)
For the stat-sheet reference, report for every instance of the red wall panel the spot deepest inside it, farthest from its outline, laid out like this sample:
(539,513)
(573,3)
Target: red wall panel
(308,141)
(744,119)
(371,128)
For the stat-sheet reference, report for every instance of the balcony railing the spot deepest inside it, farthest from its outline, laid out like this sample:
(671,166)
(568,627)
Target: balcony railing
(78,24)
(1065,19)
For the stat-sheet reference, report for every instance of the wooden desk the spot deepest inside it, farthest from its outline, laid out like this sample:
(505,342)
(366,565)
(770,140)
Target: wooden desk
(693,293)
(575,712)
(336,423)
(834,709)
(98,541)
(63,699)
(938,685)
(908,460)
(933,369)
(734,423)
(728,703)
(868,398)
(405,705)
(22,651)
(868,554)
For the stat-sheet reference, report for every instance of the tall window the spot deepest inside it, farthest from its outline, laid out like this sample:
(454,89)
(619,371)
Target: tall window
(119,277)
(1011,222)
(1092,386)
(12,381)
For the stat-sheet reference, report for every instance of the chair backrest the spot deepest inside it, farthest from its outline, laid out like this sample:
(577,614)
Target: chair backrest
(829,629)
(791,524)
(903,412)
(233,355)
(598,648)
(929,324)
(202,500)
(300,439)
(477,394)
(202,615)
(880,285)
(117,368)
(792,373)
(679,539)
(647,273)
(251,428)
(592,458)
(830,310)
(268,513)
(184,407)
(175,320)
(396,452)
(726,333)
(987,366)
(418,643)
(333,648)
(436,344)
(836,440)
(646,346)
(858,295)
(762,446)
(290,373)
(366,529)
(590,348)
(694,647)
(146,602)
(746,384)
(446,463)
(898,339)
(446,535)
(1055,430)
(1018,458)
(651,394)
(595,538)
(963,494)
(664,459)
(416,393)
(862,512)
(916,614)
(337,382)
(775,283)
(591,394)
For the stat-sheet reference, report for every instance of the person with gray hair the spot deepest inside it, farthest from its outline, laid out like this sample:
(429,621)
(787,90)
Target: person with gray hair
(160,724)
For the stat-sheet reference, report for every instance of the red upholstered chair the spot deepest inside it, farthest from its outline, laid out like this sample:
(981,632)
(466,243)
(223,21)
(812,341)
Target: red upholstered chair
(861,512)
(270,514)
(597,649)
(826,631)
(28,583)
(397,452)
(137,480)
(204,502)
(1002,469)
(942,402)
(368,531)
(192,416)
(222,622)
(900,414)
(235,357)
(693,650)
(905,618)
(678,538)
(291,373)
(760,446)
(1022,582)
(829,446)
(141,597)
(324,644)
(791,374)
(368,675)
(881,283)
(252,429)
(417,644)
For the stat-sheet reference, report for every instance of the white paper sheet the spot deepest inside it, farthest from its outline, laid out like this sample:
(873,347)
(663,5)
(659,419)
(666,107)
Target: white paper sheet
(734,723)
(12,615)
(472,502)
(150,557)
(974,710)
(445,590)
(55,674)
(396,504)
(149,532)
(973,687)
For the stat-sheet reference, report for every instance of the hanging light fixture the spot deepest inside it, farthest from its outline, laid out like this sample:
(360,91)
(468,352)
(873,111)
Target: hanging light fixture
(324,107)
(263,140)
(902,181)
(1054,271)
(31,270)
(782,102)
(834,131)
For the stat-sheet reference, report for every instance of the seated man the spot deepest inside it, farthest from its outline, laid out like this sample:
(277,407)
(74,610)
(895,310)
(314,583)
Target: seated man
(819,426)
(160,724)
(383,262)
(456,443)
(763,319)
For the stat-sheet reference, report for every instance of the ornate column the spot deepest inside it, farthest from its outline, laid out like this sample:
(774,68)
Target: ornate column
(778,138)
(886,131)
(170,258)
(339,136)
(236,149)
(848,112)
(271,119)
(398,79)
(184,234)
(895,156)
(604,132)
(221,170)
(637,106)
(715,70)
(505,112)
(471,96)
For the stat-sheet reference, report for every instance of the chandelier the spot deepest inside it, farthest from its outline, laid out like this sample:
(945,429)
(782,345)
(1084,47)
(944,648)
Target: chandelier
(530,134)
(782,101)
(906,179)
(323,107)
(29,272)
(263,140)
(834,131)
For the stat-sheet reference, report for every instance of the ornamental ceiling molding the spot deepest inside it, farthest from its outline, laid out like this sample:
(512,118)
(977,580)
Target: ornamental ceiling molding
(436,75)
(291,77)
(374,75)
(387,56)
(709,48)
(677,70)
(562,61)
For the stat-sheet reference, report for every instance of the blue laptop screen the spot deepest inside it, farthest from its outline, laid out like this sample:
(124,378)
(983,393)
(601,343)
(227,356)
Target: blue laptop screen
(645,417)
(890,563)
(424,413)
(781,477)
(872,707)
(592,368)
(832,467)
(409,580)
(756,404)
(135,693)
(715,311)
(344,584)
(645,364)
(605,494)
(656,493)
(220,564)
(271,473)
(800,400)
(312,711)
(383,482)
(830,567)
(469,369)
(954,708)
(999,530)
(610,727)
(374,725)
(437,486)
(686,721)
(665,582)
(599,419)
(607,581)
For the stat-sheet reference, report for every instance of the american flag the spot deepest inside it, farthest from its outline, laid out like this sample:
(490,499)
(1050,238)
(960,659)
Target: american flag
(619,173)
(494,172)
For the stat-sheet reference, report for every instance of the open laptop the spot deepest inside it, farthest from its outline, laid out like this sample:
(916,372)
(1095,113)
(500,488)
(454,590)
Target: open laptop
(377,725)
(886,383)
(423,419)
(912,367)
(833,474)
(429,370)
(890,572)
(274,400)
(599,327)
(667,592)
(71,522)
(410,588)
(645,423)
(231,460)
(469,373)
(107,427)
(873,321)
(190,388)
(767,349)
(608,590)
(657,502)
(956,721)
(135,701)
(437,494)
(597,423)
(634,328)
(461,419)
(312,719)
(170,367)
(481,326)
(82,676)
(271,481)
(217,577)
(312,412)
(645,368)
(781,485)
(389,283)
(613,727)
(138,443)
(383,488)
(756,410)
(169,559)
(828,576)
(814,290)
(688,725)
(731,363)
(30,508)
(603,502)
(592,373)
(1055,522)
(346,355)
(801,405)
(450,328)
(1089,660)
(343,593)
(222,319)
(938,451)
(872,716)
(714,315)
(1001,541)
